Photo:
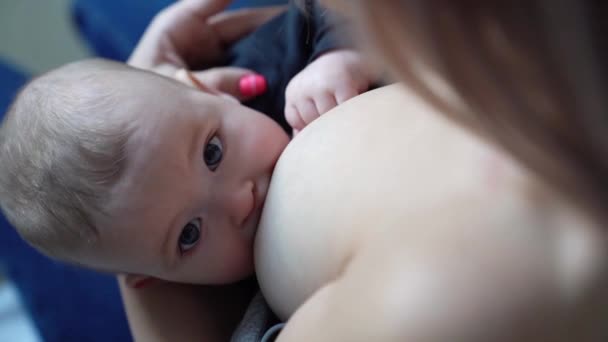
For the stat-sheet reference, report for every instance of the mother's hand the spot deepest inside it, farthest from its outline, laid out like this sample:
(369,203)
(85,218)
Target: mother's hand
(192,33)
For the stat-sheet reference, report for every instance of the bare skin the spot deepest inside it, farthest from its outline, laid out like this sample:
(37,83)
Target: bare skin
(385,221)
(182,312)
(467,246)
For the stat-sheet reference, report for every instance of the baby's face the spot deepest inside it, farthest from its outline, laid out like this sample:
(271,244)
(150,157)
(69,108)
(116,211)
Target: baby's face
(197,171)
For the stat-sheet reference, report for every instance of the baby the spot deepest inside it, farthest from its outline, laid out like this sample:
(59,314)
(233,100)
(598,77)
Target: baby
(123,170)
(126,171)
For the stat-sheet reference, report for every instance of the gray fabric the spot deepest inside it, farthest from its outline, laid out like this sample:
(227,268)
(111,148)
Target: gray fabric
(272,333)
(254,327)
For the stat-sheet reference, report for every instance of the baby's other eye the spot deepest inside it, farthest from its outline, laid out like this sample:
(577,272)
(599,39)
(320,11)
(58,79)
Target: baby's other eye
(190,235)
(213,153)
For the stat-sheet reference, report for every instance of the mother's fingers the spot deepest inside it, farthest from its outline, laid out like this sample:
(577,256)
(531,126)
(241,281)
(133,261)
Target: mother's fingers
(233,25)
(195,33)
(203,8)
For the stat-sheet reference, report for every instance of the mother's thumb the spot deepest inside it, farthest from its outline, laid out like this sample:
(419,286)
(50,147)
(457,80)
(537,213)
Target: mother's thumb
(241,83)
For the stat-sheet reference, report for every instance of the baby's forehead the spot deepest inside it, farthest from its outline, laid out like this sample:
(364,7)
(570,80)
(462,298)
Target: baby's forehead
(100,78)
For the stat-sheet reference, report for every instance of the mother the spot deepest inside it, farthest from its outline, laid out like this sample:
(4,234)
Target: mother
(408,224)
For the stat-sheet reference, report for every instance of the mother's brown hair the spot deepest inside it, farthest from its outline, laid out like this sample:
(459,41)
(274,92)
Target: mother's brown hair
(529,74)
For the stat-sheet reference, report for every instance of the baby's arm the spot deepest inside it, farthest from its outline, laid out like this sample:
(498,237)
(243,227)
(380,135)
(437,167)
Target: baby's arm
(331,79)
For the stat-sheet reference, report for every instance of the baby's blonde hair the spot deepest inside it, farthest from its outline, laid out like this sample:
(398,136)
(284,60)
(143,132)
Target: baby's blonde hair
(60,152)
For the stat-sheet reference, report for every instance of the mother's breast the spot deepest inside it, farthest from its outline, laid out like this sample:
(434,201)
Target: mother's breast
(360,170)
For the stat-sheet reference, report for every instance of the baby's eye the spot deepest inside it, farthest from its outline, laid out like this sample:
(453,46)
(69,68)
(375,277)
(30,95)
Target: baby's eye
(190,235)
(213,153)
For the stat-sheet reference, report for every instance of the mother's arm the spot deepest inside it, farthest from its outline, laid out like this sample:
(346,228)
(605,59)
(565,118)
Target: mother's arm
(180,312)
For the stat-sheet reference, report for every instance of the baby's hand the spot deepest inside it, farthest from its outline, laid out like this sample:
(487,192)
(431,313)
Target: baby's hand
(325,83)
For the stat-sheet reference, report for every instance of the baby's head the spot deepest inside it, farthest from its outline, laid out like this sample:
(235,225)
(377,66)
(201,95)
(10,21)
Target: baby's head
(122,170)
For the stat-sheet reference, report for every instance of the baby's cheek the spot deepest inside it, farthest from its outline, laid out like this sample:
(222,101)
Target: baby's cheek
(272,144)
(241,265)
(234,262)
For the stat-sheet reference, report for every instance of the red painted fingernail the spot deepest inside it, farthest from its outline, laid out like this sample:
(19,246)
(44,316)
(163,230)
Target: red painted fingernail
(252,85)
(144,282)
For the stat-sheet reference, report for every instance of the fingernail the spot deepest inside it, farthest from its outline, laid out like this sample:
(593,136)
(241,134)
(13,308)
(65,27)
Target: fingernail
(144,283)
(252,85)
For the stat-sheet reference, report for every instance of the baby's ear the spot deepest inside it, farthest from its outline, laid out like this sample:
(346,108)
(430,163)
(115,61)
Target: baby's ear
(138,281)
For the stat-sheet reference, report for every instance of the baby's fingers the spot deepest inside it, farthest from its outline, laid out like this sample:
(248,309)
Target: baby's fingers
(308,111)
(300,114)
(324,102)
(293,117)
(345,93)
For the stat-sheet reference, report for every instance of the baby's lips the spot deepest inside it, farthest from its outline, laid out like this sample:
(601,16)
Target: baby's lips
(252,85)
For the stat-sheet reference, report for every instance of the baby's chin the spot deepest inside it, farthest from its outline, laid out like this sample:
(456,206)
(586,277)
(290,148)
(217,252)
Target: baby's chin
(244,271)
(244,268)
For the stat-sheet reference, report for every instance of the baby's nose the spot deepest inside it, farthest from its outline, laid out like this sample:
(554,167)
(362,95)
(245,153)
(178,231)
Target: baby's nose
(240,203)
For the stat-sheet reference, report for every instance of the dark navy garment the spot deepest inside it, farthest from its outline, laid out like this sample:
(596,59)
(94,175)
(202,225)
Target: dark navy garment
(281,48)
